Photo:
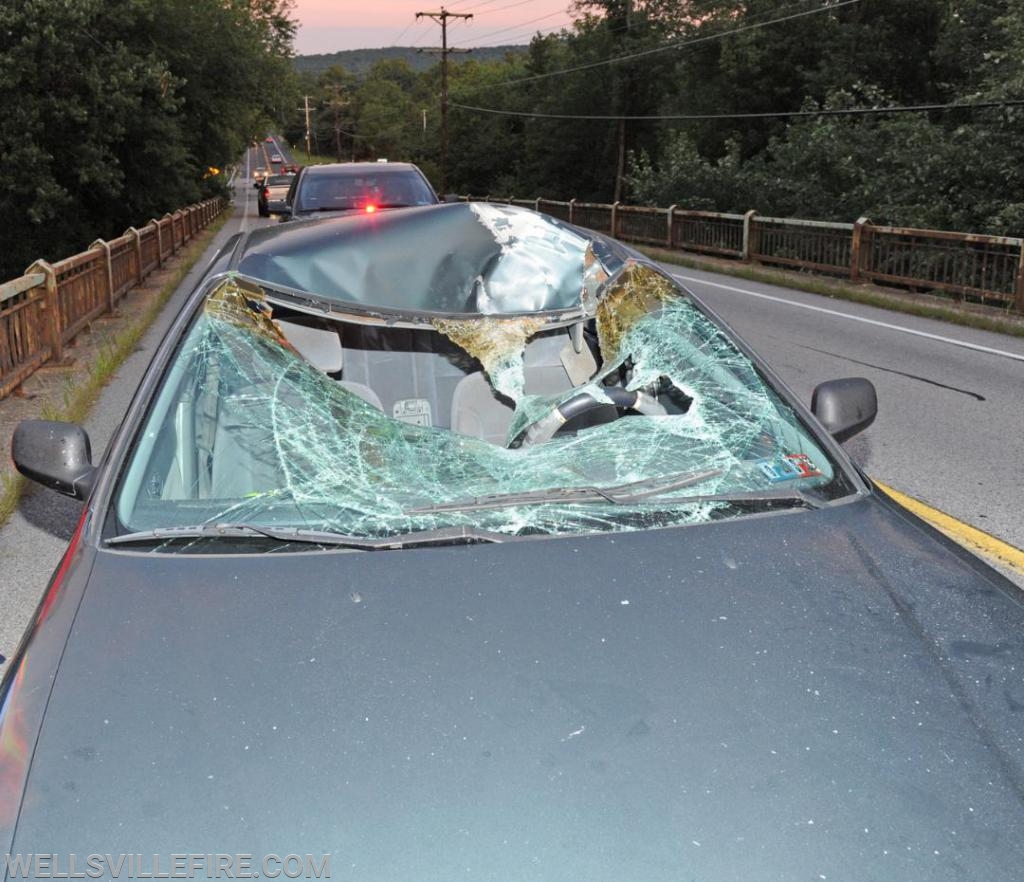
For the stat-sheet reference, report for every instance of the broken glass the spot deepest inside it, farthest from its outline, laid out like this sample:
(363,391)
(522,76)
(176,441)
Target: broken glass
(499,346)
(246,431)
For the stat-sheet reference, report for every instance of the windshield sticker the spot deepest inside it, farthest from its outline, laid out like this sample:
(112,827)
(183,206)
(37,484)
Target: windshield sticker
(789,467)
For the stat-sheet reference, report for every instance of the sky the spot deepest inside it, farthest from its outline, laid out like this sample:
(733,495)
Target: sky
(332,25)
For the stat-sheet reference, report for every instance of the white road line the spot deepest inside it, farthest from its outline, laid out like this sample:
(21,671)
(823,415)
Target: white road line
(856,318)
(244,225)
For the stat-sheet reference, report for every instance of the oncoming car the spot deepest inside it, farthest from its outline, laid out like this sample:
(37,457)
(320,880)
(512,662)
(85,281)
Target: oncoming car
(456,541)
(357,186)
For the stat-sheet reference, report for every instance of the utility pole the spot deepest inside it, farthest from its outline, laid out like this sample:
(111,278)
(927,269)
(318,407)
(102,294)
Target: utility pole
(620,163)
(336,107)
(442,19)
(306,99)
(624,88)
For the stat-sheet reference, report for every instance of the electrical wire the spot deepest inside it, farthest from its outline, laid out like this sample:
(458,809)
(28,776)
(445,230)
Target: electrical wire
(500,8)
(517,27)
(675,44)
(851,111)
(404,31)
(516,39)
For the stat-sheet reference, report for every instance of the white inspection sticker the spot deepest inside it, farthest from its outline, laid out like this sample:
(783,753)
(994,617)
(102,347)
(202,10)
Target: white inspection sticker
(413,410)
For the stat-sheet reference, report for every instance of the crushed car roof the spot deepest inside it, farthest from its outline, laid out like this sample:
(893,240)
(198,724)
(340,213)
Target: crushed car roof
(509,261)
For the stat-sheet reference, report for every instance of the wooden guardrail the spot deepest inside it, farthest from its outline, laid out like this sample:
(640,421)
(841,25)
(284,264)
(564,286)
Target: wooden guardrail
(43,310)
(989,269)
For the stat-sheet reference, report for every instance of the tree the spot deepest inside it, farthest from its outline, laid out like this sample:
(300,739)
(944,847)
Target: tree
(488,150)
(114,109)
(73,91)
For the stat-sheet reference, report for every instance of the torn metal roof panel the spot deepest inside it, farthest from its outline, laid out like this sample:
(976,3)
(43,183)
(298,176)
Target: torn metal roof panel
(509,261)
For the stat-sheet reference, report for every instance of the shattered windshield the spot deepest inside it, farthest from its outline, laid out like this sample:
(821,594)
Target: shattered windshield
(634,413)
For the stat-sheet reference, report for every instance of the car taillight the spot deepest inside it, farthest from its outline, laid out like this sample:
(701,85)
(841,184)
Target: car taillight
(266,192)
(370,209)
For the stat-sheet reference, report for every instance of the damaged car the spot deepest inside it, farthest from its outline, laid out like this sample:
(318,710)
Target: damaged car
(459,541)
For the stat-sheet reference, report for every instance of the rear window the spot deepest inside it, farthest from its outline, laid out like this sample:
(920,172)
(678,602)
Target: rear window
(356,190)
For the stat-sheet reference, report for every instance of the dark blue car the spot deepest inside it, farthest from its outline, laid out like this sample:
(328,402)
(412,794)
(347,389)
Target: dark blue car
(453,542)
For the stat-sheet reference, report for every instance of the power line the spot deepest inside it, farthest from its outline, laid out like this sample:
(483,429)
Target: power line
(501,8)
(420,36)
(481,4)
(515,39)
(463,2)
(404,31)
(676,44)
(517,27)
(850,111)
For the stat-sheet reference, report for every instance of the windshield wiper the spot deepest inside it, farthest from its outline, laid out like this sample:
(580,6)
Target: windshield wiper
(442,536)
(621,494)
(764,499)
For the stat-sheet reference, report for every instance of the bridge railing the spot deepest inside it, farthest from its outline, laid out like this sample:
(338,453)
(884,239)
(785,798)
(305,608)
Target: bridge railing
(988,269)
(46,308)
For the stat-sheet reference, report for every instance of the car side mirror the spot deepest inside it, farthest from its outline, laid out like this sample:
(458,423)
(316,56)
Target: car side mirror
(845,407)
(56,455)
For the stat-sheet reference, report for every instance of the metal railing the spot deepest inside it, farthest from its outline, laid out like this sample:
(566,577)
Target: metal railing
(989,269)
(45,309)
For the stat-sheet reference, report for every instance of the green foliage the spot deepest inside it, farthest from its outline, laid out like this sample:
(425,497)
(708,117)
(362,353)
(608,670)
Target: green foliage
(359,61)
(954,169)
(114,110)
(735,64)
(683,177)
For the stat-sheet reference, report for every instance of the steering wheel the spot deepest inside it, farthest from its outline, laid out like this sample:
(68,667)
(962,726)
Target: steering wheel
(549,425)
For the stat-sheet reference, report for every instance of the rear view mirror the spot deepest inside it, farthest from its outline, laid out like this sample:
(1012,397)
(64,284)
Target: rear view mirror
(56,455)
(845,407)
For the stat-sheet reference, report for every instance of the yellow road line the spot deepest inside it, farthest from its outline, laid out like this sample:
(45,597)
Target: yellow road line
(976,540)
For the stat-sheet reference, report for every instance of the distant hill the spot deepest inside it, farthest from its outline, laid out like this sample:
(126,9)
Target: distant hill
(359,61)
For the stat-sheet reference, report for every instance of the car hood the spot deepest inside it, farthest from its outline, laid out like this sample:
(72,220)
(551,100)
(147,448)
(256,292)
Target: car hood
(827,694)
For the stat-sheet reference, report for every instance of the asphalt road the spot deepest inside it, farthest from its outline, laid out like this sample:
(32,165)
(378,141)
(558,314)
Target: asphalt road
(950,429)
(950,426)
(259,156)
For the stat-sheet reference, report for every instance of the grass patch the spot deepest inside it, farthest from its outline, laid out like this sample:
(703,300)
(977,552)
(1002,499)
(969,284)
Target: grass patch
(1000,321)
(11,486)
(314,158)
(80,395)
